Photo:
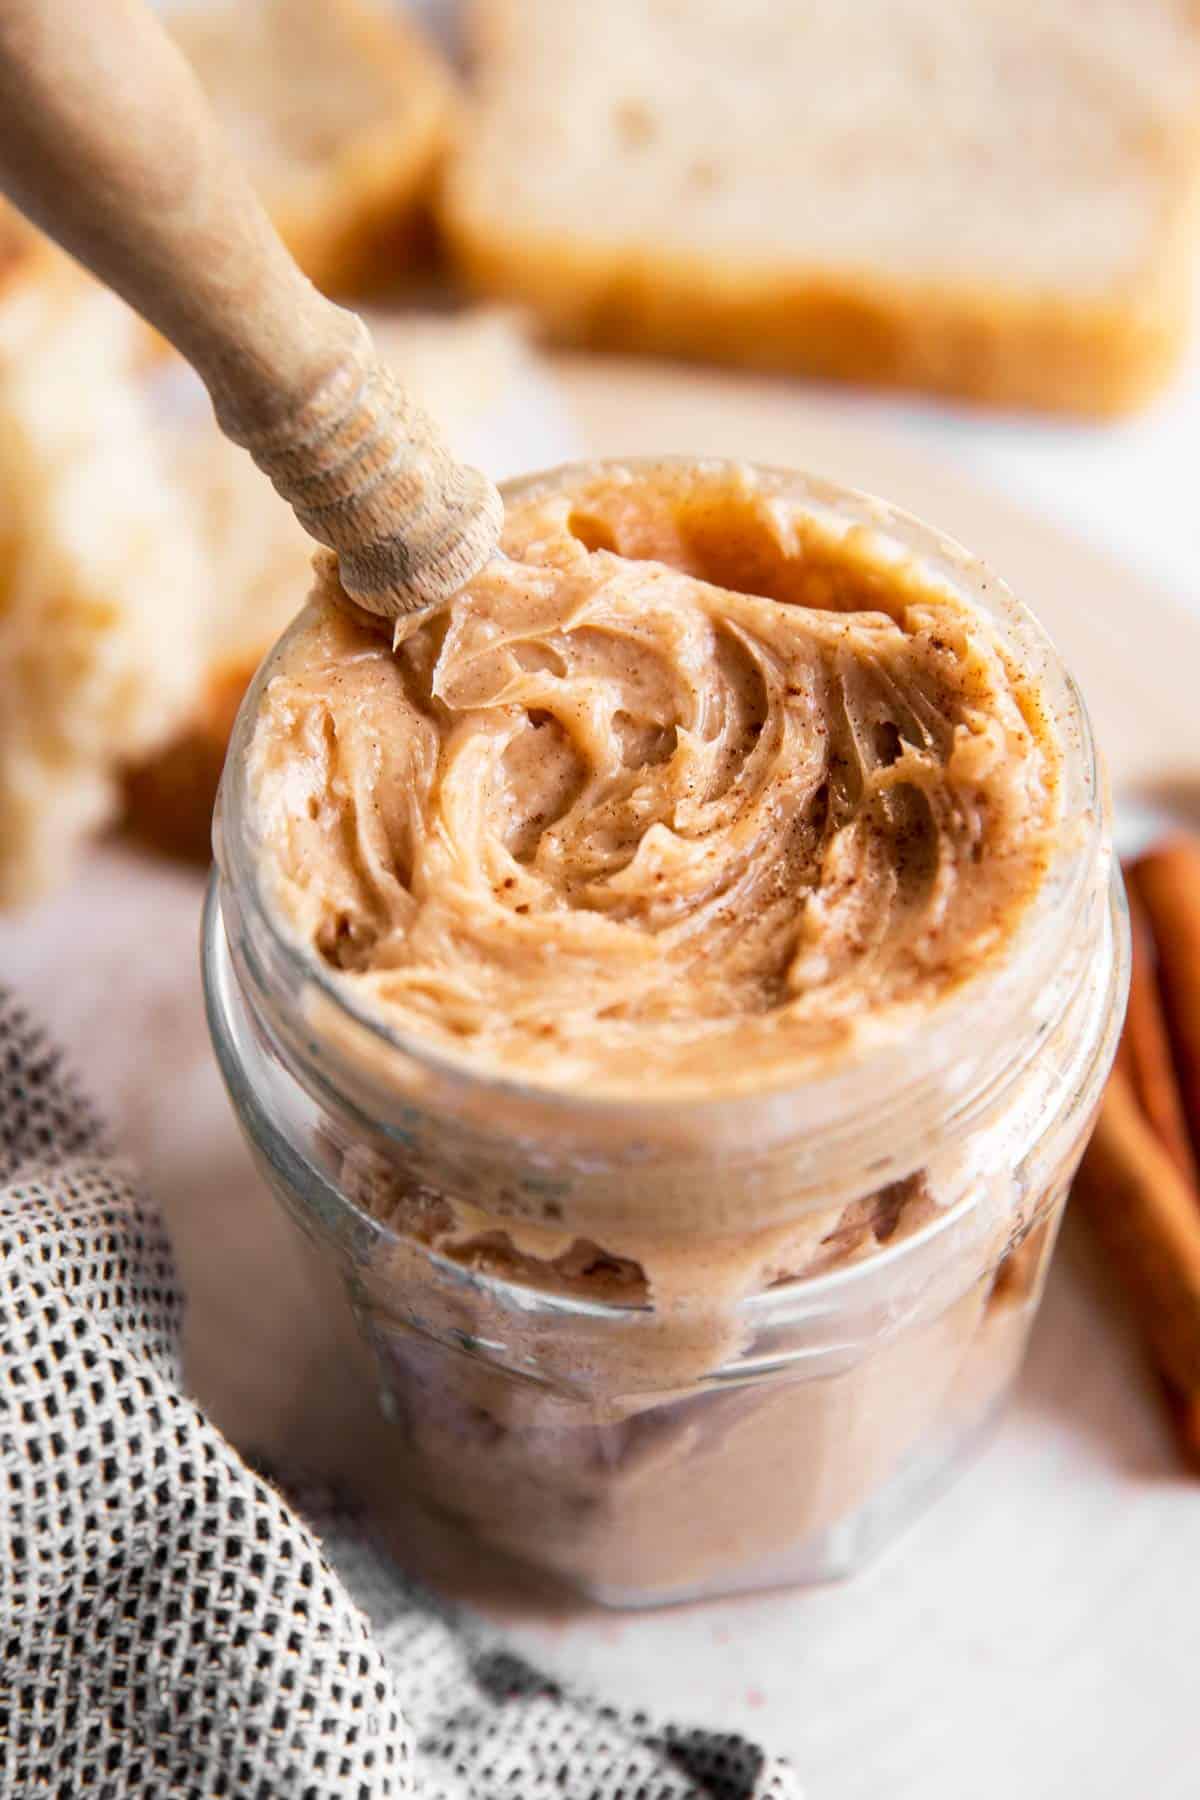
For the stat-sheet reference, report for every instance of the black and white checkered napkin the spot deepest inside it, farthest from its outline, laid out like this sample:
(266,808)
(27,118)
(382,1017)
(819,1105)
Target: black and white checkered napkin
(169,1626)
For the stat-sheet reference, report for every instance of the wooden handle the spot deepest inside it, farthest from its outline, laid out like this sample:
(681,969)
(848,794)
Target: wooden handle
(107,141)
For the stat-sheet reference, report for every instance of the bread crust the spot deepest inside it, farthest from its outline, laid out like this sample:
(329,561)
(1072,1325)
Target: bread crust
(1048,353)
(169,799)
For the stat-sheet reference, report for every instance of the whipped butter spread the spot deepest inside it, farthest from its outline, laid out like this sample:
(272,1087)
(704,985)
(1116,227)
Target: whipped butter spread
(693,793)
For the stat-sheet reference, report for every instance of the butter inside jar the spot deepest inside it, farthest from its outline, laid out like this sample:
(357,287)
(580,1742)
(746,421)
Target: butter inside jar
(692,790)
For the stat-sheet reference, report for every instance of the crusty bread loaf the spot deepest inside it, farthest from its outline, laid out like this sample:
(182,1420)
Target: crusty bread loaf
(102,575)
(340,110)
(981,198)
(462,368)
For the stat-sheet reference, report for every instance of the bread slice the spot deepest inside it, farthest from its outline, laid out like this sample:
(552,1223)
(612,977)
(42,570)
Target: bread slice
(981,199)
(340,110)
(464,369)
(102,575)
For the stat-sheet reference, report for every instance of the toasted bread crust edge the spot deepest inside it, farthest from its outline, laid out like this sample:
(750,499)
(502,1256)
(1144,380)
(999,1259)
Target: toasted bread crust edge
(169,799)
(375,226)
(1094,359)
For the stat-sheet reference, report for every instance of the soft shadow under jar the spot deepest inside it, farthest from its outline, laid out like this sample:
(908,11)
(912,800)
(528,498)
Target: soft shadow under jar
(676,1303)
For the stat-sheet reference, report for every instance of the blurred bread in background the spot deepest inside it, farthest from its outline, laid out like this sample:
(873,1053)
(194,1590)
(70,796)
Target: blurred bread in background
(464,369)
(102,573)
(974,198)
(340,111)
(145,564)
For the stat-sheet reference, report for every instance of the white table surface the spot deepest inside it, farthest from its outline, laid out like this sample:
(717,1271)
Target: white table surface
(1038,1632)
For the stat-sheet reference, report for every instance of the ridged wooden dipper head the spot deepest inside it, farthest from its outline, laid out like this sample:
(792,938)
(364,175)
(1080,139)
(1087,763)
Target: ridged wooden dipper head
(109,144)
(368,476)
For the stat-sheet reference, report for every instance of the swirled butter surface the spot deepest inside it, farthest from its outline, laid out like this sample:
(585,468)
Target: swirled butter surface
(694,792)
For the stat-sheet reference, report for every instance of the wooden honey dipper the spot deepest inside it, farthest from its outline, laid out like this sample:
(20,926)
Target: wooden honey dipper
(108,143)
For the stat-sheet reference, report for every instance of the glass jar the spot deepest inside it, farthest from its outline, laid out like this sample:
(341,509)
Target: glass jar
(648,1446)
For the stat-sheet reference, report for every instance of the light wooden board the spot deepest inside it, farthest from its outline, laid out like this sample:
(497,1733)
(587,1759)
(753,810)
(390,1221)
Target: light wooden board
(1038,1632)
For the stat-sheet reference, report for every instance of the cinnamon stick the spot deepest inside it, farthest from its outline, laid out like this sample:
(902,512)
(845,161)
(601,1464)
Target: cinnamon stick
(1148,1219)
(1167,883)
(1185,1415)
(1145,1051)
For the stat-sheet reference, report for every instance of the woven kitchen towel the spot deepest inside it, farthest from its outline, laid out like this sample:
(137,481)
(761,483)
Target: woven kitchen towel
(169,1625)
